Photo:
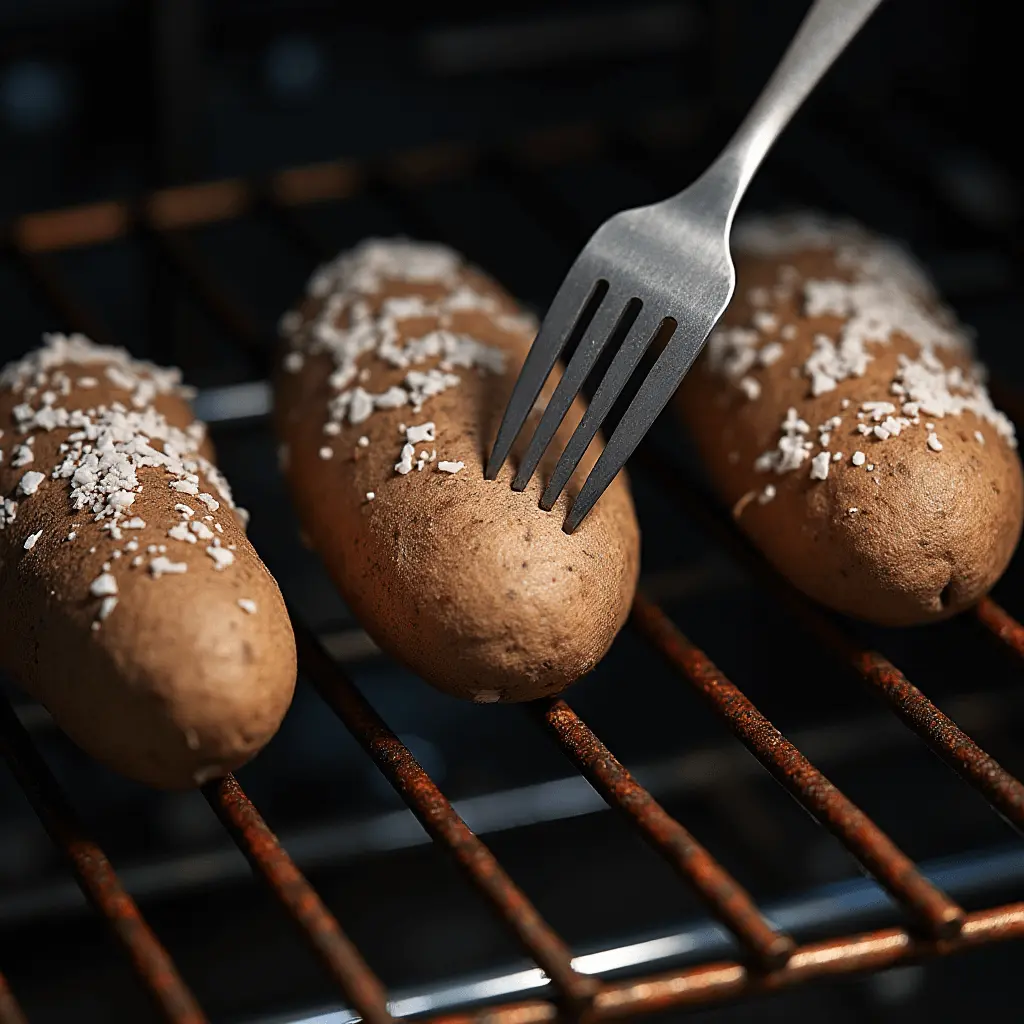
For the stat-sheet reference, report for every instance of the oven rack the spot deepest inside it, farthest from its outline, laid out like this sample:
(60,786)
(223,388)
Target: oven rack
(934,924)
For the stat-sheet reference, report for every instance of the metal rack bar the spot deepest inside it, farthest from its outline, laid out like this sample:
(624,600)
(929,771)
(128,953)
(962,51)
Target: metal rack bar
(299,899)
(685,776)
(232,317)
(722,894)
(440,819)
(1001,624)
(43,276)
(282,215)
(95,875)
(191,206)
(715,982)
(695,944)
(930,908)
(942,735)
(871,952)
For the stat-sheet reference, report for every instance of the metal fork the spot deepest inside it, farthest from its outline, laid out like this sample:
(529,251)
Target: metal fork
(664,271)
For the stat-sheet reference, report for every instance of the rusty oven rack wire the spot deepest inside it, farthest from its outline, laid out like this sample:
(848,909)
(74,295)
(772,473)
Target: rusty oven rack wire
(935,924)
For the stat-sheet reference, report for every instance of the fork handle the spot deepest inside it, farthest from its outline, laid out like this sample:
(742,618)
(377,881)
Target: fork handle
(824,33)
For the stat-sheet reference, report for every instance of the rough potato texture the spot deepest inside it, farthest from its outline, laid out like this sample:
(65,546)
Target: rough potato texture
(164,676)
(465,581)
(839,412)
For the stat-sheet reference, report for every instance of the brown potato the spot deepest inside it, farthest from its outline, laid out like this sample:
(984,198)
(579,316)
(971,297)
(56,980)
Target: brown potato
(465,581)
(839,411)
(170,659)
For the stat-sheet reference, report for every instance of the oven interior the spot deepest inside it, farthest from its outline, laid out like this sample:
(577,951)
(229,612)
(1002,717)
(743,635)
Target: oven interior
(509,135)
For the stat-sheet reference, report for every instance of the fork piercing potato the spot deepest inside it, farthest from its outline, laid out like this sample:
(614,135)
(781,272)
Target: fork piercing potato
(397,367)
(839,411)
(132,606)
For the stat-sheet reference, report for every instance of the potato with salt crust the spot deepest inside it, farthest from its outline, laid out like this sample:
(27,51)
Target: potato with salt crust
(396,373)
(840,413)
(132,605)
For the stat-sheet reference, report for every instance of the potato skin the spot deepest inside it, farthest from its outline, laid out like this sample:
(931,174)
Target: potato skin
(178,684)
(923,535)
(465,581)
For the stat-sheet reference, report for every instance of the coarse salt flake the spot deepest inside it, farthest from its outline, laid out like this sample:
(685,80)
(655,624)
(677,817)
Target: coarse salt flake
(200,530)
(349,327)
(404,464)
(21,455)
(819,466)
(104,585)
(120,499)
(247,605)
(289,323)
(30,482)
(750,387)
(163,566)
(30,540)
(934,443)
(451,467)
(180,531)
(859,458)
(420,433)
(222,558)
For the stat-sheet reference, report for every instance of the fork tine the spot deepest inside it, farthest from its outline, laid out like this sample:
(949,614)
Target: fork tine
(609,318)
(660,384)
(571,302)
(644,330)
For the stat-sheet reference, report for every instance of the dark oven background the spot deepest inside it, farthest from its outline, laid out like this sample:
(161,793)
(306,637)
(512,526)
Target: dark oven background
(620,104)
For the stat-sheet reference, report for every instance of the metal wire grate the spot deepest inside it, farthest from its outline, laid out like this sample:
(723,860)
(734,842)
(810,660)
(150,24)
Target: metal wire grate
(936,924)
